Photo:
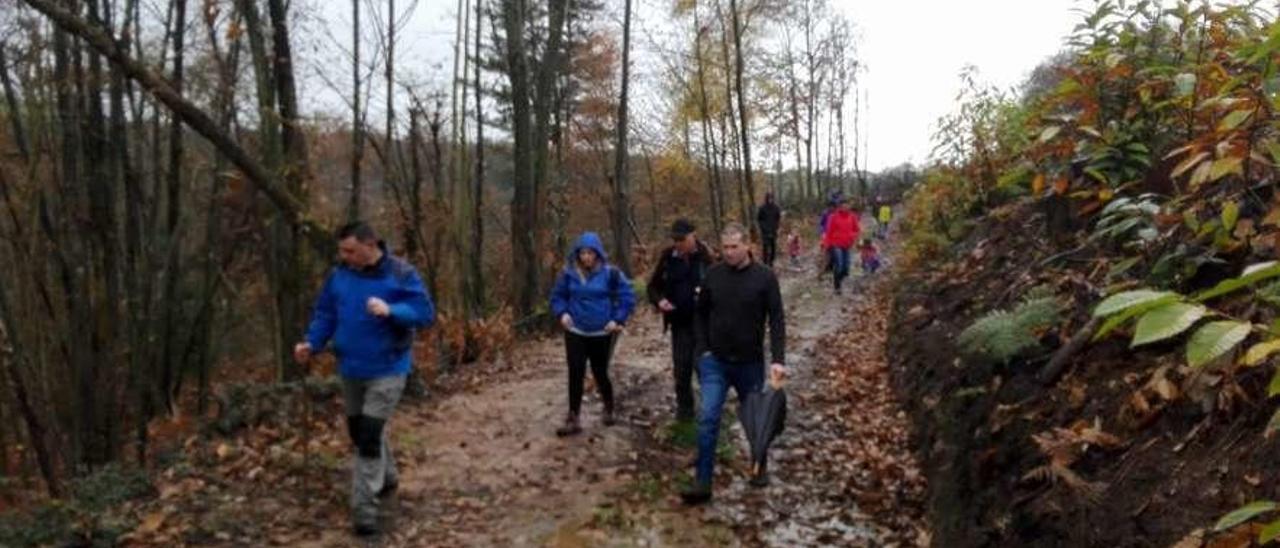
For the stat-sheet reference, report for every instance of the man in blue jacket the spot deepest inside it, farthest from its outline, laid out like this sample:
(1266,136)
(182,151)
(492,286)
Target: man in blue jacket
(370,306)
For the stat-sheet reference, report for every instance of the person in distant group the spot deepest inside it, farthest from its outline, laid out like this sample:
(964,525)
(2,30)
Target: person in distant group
(673,288)
(883,218)
(824,258)
(738,299)
(832,203)
(768,217)
(592,300)
(841,233)
(793,248)
(869,255)
(369,306)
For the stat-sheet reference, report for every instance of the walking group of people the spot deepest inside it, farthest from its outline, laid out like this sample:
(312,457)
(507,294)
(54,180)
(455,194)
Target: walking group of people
(717,310)
(840,229)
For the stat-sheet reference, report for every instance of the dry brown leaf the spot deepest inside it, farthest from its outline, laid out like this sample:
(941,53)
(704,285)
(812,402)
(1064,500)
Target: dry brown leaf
(1194,539)
(152,522)
(1240,537)
(1139,403)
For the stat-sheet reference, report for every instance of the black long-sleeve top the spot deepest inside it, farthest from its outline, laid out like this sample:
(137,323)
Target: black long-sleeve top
(733,305)
(677,278)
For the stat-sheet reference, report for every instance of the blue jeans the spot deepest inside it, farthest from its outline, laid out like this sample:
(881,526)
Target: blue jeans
(839,265)
(715,378)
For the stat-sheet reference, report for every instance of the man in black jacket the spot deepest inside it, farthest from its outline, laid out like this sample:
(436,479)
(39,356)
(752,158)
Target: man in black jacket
(769,217)
(739,296)
(673,288)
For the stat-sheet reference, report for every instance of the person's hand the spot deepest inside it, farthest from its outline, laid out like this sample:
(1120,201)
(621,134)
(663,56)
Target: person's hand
(666,306)
(778,373)
(612,327)
(566,321)
(378,307)
(302,353)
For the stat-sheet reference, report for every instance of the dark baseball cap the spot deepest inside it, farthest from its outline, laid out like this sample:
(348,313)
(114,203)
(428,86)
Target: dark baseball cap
(681,228)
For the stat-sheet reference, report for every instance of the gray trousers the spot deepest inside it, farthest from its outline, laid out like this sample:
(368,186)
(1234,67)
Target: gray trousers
(370,403)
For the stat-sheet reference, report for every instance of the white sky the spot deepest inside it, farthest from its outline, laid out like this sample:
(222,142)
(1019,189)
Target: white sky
(913,51)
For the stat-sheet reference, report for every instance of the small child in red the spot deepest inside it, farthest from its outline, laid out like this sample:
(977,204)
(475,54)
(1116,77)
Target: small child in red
(870,256)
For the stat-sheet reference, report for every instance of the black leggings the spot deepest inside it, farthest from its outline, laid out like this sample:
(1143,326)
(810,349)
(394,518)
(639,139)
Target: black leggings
(580,350)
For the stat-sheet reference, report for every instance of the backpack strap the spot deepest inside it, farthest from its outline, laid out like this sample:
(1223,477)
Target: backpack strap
(614,281)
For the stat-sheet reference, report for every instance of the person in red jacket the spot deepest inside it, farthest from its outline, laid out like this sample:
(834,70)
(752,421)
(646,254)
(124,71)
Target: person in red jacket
(840,234)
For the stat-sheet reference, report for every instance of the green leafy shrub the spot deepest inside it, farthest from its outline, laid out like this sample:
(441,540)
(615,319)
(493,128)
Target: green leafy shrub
(86,519)
(109,486)
(1002,335)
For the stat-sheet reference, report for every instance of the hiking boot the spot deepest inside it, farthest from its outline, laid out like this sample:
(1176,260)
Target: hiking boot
(365,530)
(609,418)
(698,493)
(570,426)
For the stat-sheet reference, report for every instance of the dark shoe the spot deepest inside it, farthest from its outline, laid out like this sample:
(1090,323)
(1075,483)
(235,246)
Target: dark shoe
(698,493)
(570,426)
(609,418)
(366,530)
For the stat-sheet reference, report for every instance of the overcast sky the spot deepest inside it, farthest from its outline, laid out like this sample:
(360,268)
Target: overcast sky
(913,51)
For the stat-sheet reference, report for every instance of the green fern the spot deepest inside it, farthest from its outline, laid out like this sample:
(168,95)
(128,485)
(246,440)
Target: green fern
(1002,335)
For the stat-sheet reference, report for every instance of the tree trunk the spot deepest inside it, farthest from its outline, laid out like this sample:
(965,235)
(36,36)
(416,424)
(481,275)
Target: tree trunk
(172,305)
(793,84)
(291,255)
(621,208)
(713,169)
(357,123)
(475,260)
(730,112)
(524,255)
(10,356)
(531,116)
(412,243)
(550,67)
(460,168)
(11,100)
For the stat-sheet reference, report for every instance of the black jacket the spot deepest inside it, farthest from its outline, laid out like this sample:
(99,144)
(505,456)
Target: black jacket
(769,216)
(677,279)
(732,309)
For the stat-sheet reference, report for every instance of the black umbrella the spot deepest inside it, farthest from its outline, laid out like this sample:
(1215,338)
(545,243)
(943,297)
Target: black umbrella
(763,415)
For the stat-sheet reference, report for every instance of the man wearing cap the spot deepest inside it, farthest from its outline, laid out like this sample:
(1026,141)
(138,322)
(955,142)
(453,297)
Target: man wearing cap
(673,288)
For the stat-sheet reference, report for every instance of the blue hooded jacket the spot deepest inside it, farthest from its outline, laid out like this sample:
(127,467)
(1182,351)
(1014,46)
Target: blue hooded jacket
(368,346)
(593,300)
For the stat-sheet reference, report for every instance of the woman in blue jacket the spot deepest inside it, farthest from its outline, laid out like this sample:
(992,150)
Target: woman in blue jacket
(592,300)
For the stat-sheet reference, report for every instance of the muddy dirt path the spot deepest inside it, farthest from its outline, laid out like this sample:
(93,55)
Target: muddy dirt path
(483,467)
